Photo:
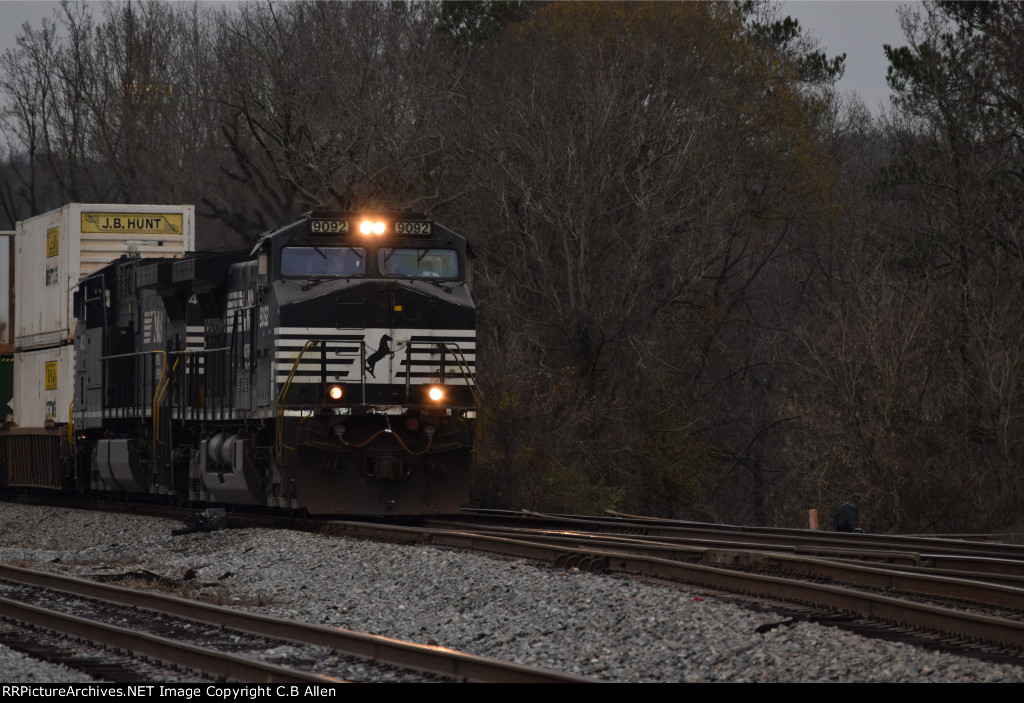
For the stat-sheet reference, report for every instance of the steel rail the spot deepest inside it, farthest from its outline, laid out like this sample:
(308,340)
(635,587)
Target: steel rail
(220,665)
(891,579)
(961,584)
(847,600)
(653,527)
(683,546)
(1007,571)
(426,658)
(570,550)
(808,541)
(983,628)
(998,579)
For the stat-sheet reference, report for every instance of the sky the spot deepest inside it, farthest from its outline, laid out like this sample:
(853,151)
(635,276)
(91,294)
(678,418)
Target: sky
(857,27)
(14,13)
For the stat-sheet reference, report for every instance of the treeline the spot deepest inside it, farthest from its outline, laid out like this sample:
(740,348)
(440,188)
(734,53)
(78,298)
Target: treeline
(708,287)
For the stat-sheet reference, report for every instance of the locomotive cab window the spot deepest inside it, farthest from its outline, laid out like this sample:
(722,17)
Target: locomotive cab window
(323,261)
(416,263)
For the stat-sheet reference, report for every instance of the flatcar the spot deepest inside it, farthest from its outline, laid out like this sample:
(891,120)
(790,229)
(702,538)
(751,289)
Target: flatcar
(329,369)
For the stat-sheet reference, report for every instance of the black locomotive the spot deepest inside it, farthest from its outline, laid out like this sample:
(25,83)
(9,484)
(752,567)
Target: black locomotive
(330,369)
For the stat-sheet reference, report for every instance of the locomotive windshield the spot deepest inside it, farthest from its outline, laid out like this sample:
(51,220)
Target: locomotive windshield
(429,263)
(322,261)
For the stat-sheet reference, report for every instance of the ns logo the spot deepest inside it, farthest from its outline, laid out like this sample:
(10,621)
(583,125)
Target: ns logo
(383,349)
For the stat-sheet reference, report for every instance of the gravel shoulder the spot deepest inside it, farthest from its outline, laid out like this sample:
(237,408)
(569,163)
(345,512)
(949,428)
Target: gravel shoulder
(610,627)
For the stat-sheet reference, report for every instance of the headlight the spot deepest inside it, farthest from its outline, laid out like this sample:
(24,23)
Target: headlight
(372,227)
(335,393)
(436,393)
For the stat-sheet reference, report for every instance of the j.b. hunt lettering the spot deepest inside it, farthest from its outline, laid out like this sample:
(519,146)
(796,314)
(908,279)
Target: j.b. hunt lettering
(131,223)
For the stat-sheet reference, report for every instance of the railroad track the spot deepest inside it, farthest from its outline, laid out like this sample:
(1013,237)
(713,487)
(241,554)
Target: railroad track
(964,596)
(897,582)
(992,562)
(223,644)
(819,542)
(870,585)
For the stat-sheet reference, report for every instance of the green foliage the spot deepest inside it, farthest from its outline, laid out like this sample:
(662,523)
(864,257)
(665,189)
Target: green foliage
(970,15)
(474,23)
(787,37)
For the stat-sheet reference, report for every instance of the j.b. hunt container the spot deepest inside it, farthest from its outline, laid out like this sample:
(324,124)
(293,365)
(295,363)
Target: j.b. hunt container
(43,385)
(54,250)
(35,447)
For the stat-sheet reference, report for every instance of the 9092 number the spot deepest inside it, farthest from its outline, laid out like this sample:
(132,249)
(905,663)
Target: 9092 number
(412,227)
(328,226)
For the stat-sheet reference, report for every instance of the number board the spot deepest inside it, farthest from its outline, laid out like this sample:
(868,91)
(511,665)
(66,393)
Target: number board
(413,227)
(328,226)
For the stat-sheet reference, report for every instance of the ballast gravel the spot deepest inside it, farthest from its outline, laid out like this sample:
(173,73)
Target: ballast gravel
(609,627)
(16,667)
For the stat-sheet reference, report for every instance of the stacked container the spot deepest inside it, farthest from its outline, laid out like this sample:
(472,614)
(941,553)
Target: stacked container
(51,253)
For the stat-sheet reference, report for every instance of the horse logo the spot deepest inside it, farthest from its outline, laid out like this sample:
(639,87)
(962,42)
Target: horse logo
(383,349)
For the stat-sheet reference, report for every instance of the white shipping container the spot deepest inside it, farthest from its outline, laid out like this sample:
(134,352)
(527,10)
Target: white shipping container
(43,385)
(54,250)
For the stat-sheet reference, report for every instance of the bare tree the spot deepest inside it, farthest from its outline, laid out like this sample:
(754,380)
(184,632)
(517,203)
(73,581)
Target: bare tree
(911,384)
(337,103)
(647,184)
(24,78)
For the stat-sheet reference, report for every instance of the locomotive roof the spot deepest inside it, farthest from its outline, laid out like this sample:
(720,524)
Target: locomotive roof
(333,222)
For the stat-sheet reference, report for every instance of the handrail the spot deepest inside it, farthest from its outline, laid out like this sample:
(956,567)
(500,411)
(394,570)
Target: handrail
(362,371)
(460,359)
(467,376)
(161,392)
(279,406)
(359,356)
(163,374)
